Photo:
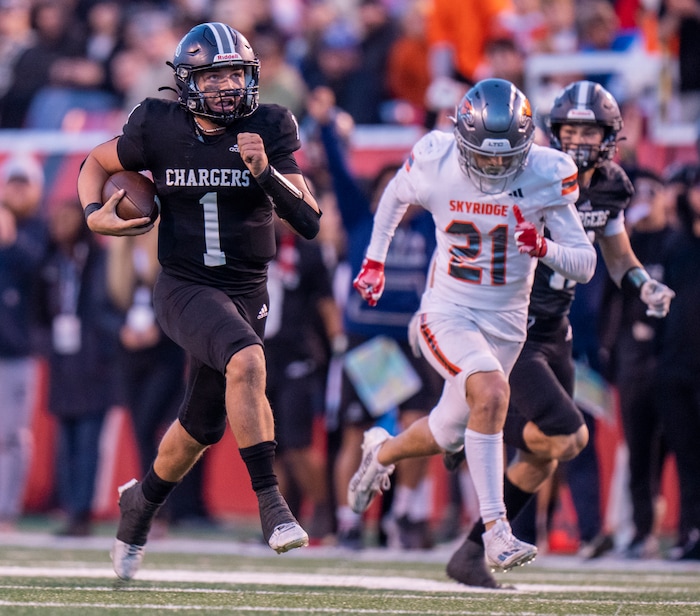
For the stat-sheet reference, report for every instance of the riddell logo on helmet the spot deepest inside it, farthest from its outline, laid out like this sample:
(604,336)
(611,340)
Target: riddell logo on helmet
(580,114)
(225,57)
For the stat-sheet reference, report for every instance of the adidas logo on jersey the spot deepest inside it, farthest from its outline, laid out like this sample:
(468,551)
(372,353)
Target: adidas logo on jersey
(517,193)
(263,312)
(233,148)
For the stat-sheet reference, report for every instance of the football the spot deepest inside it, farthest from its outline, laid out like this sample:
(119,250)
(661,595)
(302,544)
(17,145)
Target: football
(140,198)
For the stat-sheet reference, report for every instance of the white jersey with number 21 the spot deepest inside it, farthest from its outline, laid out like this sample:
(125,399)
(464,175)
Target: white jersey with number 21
(477,263)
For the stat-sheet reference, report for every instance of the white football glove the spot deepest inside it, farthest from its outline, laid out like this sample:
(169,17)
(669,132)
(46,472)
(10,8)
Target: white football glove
(657,296)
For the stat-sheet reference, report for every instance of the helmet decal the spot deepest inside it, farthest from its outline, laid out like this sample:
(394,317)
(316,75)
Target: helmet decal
(581,115)
(465,109)
(224,57)
(224,38)
(496,145)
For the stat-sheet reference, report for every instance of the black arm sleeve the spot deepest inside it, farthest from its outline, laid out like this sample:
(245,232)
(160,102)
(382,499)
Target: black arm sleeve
(289,203)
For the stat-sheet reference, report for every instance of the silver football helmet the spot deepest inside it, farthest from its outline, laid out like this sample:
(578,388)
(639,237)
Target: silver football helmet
(494,131)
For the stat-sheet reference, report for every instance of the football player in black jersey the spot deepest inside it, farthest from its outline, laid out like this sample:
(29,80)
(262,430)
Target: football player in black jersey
(543,422)
(222,165)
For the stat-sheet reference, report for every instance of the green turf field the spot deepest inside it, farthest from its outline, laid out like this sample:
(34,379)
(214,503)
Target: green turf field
(210,574)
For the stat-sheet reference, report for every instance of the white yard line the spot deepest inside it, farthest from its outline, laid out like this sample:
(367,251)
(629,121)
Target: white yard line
(396,583)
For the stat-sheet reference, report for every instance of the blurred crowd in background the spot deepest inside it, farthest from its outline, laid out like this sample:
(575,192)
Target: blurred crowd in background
(339,66)
(387,61)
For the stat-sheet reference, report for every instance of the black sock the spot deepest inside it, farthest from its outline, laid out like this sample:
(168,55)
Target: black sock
(515,500)
(260,459)
(155,489)
(475,533)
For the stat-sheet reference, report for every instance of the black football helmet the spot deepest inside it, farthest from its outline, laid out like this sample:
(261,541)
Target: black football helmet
(493,119)
(209,46)
(586,102)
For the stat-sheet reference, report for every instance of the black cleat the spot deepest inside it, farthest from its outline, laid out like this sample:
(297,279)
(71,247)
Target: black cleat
(136,516)
(597,547)
(452,460)
(468,566)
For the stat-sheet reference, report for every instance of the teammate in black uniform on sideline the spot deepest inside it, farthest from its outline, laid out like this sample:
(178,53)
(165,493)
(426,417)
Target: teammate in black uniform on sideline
(543,422)
(222,164)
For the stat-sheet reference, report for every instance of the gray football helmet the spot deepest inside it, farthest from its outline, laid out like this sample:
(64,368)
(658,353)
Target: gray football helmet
(494,120)
(209,46)
(586,102)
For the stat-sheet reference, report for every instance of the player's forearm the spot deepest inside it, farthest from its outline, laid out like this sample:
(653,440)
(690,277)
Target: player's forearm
(387,217)
(102,161)
(574,262)
(90,182)
(569,251)
(618,256)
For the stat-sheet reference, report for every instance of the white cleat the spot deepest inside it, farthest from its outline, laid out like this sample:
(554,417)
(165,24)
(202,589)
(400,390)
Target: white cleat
(126,559)
(288,536)
(372,477)
(504,550)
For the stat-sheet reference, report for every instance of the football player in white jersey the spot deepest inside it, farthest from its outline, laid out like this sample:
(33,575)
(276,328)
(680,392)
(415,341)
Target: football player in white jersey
(544,425)
(491,191)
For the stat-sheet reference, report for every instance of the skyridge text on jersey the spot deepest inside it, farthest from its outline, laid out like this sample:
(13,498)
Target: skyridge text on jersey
(470,207)
(207,177)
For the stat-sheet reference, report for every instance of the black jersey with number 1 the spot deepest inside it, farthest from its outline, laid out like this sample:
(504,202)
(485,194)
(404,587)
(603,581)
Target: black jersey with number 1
(604,199)
(216,223)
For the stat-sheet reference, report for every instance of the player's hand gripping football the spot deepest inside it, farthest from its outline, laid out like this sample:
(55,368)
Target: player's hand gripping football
(106,222)
(370,281)
(528,240)
(657,296)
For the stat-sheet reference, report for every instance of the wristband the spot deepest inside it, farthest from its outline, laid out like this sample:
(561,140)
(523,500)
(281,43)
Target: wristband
(90,208)
(634,278)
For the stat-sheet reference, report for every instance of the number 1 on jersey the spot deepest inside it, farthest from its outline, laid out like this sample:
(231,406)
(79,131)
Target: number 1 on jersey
(213,257)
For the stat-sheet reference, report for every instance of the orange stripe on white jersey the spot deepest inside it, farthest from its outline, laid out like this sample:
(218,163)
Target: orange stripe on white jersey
(430,340)
(569,185)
